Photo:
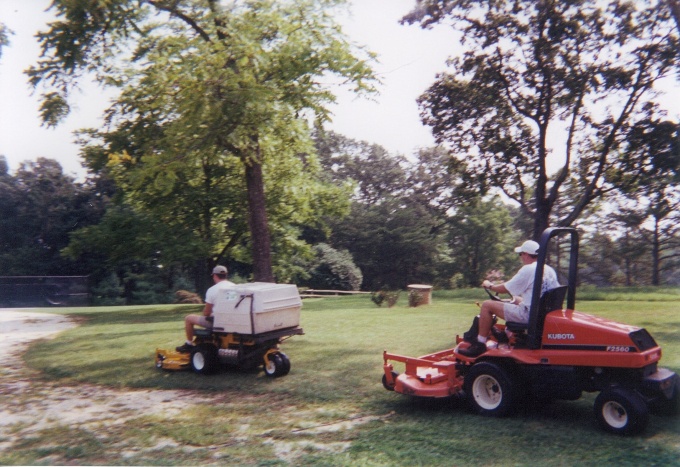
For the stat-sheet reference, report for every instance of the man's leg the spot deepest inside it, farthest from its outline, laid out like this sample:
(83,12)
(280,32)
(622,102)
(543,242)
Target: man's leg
(189,322)
(488,310)
(486,314)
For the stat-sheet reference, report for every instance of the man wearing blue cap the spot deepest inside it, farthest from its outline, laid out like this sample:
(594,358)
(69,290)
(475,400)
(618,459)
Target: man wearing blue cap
(521,287)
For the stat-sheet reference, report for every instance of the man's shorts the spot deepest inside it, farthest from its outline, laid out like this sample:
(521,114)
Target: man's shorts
(515,313)
(203,321)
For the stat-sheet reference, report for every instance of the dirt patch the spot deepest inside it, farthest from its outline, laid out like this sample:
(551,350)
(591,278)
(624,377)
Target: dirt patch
(28,406)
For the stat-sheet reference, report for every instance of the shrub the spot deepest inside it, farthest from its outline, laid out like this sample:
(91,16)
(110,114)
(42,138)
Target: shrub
(382,296)
(335,270)
(108,292)
(184,296)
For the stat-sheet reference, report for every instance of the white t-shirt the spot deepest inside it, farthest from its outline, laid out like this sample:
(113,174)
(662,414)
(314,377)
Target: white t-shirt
(214,291)
(522,284)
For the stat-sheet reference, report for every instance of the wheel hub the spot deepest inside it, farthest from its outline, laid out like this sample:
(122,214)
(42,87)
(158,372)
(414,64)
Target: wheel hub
(487,392)
(615,414)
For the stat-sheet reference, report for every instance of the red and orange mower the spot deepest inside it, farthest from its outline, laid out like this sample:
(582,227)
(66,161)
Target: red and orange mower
(559,354)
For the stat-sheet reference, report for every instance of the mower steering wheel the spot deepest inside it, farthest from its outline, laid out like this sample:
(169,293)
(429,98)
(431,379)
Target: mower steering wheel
(496,298)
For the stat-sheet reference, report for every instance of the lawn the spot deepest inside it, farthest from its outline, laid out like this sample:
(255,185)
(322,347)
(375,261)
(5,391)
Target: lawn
(332,409)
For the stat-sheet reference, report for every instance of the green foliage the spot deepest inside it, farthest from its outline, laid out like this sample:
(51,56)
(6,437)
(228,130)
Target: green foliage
(377,174)
(391,297)
(481,239)
(335,270)
(4,37)
(650,203)
(391,242)
(146,289)
(528,70)
(214,110)
(53,108)
(40,207)
(108,292)
(415,298)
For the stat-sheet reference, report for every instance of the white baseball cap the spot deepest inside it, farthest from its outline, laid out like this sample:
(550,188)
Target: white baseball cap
(219,270)
(530,247)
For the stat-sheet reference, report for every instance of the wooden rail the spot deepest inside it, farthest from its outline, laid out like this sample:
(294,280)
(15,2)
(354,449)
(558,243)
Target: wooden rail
(316,293)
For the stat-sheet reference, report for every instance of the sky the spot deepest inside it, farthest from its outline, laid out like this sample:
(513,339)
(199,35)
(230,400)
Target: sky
(408,60)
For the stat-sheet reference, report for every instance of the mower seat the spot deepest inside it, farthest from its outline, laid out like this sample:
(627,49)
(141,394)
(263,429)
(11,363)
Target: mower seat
(551,300)
(200,332)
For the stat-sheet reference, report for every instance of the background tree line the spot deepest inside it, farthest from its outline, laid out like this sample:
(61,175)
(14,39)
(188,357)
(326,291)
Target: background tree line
(214,150)
(401,224)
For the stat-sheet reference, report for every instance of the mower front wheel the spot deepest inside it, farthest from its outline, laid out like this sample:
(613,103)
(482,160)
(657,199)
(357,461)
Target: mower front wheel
(621,411)
(204,359)
(490,390)
(386,385)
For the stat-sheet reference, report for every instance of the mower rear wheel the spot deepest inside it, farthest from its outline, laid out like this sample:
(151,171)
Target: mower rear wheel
(621,411)
(490,390)
(204,359)
(277,365)
(668,407)
(286,364)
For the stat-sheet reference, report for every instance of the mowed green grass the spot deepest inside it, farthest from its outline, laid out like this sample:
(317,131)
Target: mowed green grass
(335,379)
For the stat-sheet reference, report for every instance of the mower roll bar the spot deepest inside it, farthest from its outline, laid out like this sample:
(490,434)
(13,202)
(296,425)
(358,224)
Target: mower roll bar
(534,330)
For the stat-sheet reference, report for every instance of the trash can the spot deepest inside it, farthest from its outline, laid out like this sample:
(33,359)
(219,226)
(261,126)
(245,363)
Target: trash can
(419,294)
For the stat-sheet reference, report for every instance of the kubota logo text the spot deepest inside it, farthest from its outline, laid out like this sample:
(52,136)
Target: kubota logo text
(561,336)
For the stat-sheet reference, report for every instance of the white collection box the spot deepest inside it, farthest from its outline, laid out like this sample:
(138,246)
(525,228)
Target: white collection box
(257,308)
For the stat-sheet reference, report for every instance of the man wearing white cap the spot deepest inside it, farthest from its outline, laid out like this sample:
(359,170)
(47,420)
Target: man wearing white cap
(219,275)
(521,287)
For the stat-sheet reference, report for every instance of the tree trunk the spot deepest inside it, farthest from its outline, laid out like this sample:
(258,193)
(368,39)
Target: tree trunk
(202,271)
(541,219)
(257,221)
(656,262)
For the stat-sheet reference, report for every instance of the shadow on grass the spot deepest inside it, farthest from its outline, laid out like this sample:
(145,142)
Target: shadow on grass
(140,315)
(560,415)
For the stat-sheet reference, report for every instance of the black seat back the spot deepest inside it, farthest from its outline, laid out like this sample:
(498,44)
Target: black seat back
(551,300)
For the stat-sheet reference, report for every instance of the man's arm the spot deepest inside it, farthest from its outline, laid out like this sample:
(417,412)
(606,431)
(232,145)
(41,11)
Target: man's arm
(207,309)
(500,288)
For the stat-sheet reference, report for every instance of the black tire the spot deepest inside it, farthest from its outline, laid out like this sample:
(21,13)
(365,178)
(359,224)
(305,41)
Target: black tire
(159,361)
(668,407)
(384,381)
(276,365)
(671,406)
(490,390)
(204,359)
(621,411)
(286,364)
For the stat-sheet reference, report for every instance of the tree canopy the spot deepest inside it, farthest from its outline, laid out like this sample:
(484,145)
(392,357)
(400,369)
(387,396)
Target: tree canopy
(543,81)
(214,87)
(39,207)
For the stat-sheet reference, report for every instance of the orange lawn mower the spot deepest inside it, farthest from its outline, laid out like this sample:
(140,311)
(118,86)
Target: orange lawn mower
(558,354)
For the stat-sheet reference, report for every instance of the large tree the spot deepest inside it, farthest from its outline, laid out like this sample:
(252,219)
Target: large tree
(204,79)
(651,205)
(480,241)
(545,92)
(390,235)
